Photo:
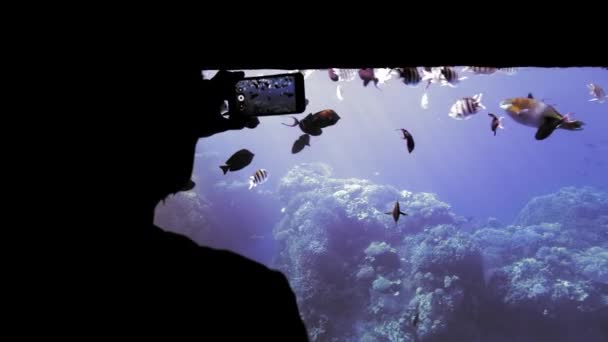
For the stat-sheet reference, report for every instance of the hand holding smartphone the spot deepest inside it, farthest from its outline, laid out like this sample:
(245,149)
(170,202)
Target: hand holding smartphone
(279,94)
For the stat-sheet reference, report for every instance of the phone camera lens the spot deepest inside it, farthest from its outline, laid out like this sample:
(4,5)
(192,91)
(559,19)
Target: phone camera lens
(241,98)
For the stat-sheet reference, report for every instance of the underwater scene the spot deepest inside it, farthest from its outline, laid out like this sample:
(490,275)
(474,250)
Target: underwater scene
(421,204)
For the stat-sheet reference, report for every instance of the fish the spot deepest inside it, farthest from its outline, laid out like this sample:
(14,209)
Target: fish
(396,212)
(508,71)
(368,75)
(339,92)
(259,177)
(300,143)
(313,123)
(465,107)
(545,118)
(409,76)
(597,92)
(450,77)
(239,160)
(496,122)
(343,75)
(410,139)
(383,74)
(432,76)
(480,70)
(424,101)
(333,75)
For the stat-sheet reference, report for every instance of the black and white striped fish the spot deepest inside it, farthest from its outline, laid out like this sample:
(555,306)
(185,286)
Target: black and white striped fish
(450,77)
(446,76)
(508,71)
(259,177)
(343,75)
(409,76)
(465,107)
(480,70)
(597,92)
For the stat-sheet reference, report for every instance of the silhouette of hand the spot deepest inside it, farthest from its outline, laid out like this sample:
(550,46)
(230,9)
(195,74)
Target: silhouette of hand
(215,91)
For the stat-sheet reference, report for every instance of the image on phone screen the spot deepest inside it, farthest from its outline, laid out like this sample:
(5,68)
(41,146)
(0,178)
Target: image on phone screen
(271,95)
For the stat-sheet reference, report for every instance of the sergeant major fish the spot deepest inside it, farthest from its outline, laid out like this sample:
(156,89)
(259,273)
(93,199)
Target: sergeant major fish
(597,92)
(465,107)
(259,177)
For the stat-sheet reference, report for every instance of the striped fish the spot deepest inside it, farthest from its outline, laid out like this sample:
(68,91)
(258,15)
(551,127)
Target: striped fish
(409,76)
(344,75)
(480,70)
(450,77)
(597,92)
(465,107)
(259,177)
(508,71)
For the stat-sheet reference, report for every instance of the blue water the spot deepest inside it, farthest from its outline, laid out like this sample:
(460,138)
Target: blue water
(537,271)
(461,161)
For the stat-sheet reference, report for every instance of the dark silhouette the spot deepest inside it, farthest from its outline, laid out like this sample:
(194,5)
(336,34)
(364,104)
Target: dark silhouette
(162,280)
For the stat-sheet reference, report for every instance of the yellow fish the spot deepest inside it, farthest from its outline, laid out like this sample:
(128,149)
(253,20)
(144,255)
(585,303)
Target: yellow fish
(533,113)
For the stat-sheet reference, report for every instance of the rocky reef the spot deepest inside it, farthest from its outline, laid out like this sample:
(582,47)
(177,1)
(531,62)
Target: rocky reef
(359,276)
(432,276)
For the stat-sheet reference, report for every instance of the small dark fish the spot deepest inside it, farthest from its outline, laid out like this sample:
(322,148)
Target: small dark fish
(367,75)
(428,69)
(396,212)
(333,75)
(288,94)
(188,186)
(300,143)
(496,122)
(254,95)
(238,161)
(410,139)
(530,96)
(416,319)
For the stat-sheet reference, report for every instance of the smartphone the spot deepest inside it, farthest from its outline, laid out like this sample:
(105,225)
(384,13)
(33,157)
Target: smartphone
(269,95)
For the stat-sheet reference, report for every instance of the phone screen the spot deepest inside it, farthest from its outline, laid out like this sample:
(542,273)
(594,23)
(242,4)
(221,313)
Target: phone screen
(271,95)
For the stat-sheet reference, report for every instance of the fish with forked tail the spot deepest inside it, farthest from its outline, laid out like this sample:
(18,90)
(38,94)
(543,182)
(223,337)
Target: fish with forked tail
(313,123)
(396,212)
(530,112)
(239,160)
